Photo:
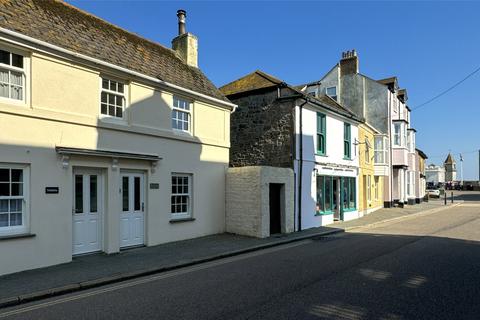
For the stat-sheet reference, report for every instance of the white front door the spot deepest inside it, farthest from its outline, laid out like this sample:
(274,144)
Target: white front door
(87,211)
(133,206)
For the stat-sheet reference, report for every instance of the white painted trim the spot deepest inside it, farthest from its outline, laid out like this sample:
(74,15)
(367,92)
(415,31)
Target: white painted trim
(64,52)
(25,227)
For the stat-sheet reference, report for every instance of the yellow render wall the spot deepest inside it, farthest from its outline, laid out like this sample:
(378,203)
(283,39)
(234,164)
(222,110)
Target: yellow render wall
(367,169)
(66,91)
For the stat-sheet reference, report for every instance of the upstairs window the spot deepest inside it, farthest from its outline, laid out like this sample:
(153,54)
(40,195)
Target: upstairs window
(321,134)
(181,115)
(380,150)
(347,143)
(112,98)
(367,150)
(397,134)
(332,92)
(12,76)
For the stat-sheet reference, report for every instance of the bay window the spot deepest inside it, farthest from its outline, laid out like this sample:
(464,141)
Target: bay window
(397,134)
(380,150)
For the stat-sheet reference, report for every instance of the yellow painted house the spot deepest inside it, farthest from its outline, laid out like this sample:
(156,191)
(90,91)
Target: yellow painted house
(108,140)
(370,185)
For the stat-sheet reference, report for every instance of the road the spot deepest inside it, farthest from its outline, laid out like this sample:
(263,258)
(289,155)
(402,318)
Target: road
(426,267)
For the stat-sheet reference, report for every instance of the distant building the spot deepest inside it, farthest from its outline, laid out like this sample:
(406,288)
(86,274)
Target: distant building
(435,174)
(422,185)
(450,166)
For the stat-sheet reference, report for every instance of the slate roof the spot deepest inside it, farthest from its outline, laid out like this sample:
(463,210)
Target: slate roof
(421,153)
(252,81)
(449,159)
(261,80)
(66,26)
(388,81)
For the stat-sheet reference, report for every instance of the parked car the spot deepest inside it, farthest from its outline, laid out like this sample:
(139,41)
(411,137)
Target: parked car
(433,193)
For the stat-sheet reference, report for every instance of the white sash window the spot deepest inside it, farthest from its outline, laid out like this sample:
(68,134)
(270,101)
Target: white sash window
(12,76)
(13,200)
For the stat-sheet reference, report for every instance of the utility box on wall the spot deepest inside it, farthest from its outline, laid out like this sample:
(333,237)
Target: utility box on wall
(259,201)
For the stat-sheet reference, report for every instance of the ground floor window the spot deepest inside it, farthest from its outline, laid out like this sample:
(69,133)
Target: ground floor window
(325,195)
(376,182)
(13,200)
(348,193)
(369,190)
(181,202)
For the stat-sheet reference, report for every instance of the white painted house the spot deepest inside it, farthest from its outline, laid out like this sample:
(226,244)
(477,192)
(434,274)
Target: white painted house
(327,165)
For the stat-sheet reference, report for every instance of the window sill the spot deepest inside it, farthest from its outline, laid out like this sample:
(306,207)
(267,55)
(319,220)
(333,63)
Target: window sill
(111,119)
(17,236)
(350,210)
(178,220)
(321,154)
(345,158)
(323,213)
(182,133)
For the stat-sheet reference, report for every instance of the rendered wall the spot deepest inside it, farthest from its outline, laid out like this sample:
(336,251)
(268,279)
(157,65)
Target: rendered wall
(62,109)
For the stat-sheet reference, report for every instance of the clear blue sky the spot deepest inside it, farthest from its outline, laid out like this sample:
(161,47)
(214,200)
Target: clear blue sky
(428,45)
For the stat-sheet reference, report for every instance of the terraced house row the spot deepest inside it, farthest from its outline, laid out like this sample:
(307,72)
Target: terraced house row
(110,141)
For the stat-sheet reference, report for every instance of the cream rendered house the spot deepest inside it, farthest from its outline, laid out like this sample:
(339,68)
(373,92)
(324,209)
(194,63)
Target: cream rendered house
(108,140)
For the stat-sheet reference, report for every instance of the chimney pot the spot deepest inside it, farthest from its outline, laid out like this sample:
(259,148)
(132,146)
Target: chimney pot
(185,44)
(181,14)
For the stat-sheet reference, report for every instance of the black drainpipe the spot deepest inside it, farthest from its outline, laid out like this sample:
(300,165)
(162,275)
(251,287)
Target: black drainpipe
(301,168)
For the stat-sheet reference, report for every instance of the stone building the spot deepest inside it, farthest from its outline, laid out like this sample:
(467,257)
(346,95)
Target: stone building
(279,125)
(450,166)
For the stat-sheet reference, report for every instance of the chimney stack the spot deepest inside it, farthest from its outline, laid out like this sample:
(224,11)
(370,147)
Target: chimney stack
(185,44)
(349,63)
(181,14)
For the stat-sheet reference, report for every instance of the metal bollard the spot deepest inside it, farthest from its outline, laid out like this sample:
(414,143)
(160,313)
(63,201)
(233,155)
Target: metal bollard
(452,196)
(445,197)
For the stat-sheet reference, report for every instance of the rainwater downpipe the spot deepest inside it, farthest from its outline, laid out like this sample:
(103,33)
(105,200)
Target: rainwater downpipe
(300,168)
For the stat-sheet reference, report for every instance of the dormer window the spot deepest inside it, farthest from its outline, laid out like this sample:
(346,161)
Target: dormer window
(112,99)
(12,76)
(332,92)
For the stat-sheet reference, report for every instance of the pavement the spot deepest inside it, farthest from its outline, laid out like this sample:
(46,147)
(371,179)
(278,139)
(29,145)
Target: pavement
(90,271)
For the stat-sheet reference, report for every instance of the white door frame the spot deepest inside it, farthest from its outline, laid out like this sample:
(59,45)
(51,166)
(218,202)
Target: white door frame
(86,172)
(132,212)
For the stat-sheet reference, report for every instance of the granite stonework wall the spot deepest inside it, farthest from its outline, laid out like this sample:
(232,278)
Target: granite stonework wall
(247,200)
(262,131)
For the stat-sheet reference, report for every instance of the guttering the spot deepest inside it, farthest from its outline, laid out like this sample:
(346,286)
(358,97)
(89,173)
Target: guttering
(108,65)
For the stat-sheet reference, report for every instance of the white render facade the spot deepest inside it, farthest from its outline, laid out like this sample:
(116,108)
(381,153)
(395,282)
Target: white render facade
(327,179)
